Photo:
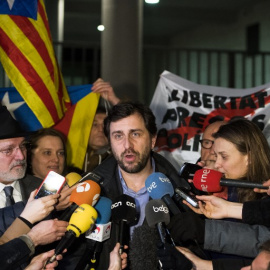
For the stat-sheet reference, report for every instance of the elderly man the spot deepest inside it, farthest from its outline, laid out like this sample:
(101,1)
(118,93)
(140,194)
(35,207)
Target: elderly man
(16,187)
(207,155)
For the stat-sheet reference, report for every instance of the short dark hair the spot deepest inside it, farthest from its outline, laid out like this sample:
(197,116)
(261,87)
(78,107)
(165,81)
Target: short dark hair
(127,108)
(101,110)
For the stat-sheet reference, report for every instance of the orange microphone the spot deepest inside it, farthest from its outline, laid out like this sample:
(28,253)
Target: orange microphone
(87,192)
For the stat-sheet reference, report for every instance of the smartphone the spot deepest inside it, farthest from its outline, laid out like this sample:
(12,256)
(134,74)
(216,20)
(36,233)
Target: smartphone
(52,184)
(190,199)
(188,170)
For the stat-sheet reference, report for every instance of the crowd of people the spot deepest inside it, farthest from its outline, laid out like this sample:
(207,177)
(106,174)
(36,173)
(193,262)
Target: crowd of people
(229,229)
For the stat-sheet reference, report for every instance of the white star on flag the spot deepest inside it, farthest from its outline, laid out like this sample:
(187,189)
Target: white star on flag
(10,3)
(11,106)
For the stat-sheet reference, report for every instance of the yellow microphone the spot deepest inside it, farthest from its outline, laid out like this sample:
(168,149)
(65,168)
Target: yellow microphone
(72,178)
(83,219)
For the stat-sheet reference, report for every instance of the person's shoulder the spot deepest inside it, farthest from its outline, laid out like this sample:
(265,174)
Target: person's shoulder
(164,166)
(31,179)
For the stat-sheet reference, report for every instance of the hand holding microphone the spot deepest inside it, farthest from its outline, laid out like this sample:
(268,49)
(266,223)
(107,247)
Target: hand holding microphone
(81,220)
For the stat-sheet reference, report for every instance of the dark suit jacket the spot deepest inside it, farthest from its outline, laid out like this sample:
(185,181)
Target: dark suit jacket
(13,254)
(10,213)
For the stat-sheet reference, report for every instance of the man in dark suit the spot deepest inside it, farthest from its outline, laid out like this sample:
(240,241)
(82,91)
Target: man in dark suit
(12,169)
(16,186)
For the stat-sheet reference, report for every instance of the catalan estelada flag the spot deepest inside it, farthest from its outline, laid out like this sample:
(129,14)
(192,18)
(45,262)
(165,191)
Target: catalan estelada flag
(27,55)
(76,123)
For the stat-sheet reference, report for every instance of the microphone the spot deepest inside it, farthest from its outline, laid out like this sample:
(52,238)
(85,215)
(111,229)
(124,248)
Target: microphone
(72,178)
(159,186)
(87,192)
(124,213)
(157,215)
(210,181)
(188,170)
(81,220)
(103,226)
(143,248)
(94,238)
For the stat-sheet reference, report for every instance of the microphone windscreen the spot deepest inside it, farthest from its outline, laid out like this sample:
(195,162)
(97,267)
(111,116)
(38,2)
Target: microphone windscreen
(156,211)
(82,219)
(207,180)
(72,178)
(103,208)
(124,208)
(158,185)
(143,248)
(86,192)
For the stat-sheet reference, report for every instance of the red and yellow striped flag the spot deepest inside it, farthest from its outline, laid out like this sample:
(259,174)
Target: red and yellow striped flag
(28,57)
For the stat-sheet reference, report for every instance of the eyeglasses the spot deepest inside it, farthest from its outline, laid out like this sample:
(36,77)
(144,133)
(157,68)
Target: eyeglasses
(207,144)
(10,151)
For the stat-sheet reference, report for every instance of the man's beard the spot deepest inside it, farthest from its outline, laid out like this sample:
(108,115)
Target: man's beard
(14,173)
(143,159)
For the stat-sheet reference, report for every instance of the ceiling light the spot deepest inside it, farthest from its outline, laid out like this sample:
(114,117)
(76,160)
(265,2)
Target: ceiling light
(151,1)
(101,28)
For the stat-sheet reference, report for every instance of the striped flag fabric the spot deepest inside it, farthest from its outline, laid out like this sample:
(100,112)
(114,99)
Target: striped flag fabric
(28,57)
(76,123)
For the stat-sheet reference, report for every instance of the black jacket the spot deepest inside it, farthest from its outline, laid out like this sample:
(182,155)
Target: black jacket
(14,253)
(257,212)
(111,188)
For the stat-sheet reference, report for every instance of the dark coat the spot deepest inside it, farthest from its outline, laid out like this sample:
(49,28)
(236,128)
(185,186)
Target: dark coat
(10,213)
(111,188)
(13,254)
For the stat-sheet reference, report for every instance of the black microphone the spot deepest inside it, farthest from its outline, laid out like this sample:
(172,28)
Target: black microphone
(124,213)
(143,248)
(157,215)
(159,186)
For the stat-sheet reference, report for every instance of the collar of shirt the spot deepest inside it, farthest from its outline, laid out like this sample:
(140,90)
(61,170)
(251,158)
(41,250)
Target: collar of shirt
(141,197)
(127,190)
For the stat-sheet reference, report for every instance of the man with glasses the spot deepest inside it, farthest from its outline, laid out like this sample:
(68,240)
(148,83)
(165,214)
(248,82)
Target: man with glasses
(207,154)
(13,186)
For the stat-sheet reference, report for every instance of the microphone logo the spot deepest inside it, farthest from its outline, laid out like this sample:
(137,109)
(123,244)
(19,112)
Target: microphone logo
(152,186)
(164,179)
(205,175)
(130,204)
(108,229)
(83,187)
(204,188)
(116,204)
(162,208)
